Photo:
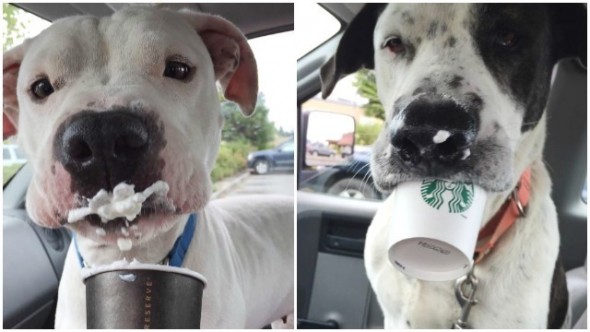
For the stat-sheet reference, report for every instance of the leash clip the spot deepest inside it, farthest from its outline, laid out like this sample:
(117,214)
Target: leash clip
(465,288)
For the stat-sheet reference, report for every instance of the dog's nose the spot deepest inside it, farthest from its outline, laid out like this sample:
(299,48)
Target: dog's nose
(102,145)
(433,130)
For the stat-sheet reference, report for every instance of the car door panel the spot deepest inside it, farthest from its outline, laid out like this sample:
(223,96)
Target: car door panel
(33,261)
(29,279)
(332,286)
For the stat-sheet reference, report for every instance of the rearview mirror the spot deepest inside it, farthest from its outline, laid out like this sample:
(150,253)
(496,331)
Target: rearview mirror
(329,138)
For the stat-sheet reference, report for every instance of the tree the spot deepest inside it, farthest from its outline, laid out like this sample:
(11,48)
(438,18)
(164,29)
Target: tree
(13,26)
(256,130)
(366,134)
(366,87)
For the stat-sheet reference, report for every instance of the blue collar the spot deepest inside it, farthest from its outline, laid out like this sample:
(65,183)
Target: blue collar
(176,255)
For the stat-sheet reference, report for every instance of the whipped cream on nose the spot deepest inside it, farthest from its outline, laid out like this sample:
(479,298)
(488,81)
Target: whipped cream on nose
(122,202)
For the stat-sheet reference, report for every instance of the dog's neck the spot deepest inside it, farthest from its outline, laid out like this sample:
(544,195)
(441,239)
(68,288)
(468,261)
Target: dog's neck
(529,154)
(153,250)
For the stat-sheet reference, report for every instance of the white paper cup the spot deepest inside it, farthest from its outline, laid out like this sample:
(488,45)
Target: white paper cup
(434,228)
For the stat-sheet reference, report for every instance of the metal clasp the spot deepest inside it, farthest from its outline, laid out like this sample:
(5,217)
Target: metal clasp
(465,288)
(516,199)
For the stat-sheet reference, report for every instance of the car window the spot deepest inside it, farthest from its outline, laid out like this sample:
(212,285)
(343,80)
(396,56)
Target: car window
(337,171)
(288,147)
(330,165)
(309,36)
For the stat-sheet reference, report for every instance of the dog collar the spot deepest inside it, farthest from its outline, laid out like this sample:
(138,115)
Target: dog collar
(176,255)
(513,208)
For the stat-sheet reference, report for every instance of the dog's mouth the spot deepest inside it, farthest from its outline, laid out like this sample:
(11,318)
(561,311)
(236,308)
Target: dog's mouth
(488,166)
(150,211)
(123,212)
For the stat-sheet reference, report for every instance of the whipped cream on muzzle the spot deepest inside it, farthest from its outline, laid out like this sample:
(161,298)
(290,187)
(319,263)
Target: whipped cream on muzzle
(122,202)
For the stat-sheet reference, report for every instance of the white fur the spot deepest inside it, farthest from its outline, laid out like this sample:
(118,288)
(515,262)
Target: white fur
(514,281)
(243,245)
(246,256)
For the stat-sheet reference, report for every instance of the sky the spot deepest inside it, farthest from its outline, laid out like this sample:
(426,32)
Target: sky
(277,77)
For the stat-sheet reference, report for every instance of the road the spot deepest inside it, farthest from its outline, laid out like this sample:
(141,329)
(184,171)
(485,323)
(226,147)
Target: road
(274,183)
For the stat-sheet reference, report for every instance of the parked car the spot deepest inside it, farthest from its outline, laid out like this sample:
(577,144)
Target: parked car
(11,154)
(351,179)
(319,149)
(280,158)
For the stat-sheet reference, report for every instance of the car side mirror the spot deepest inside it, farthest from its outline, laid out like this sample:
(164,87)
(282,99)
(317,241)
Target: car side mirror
(329,138)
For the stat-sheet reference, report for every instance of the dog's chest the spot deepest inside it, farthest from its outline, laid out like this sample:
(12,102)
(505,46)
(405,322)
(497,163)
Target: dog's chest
(418,304)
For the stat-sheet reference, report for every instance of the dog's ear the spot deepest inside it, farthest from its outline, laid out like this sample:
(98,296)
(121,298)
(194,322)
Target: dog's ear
(569,30)
(233,60)
(355,49)
(11,66)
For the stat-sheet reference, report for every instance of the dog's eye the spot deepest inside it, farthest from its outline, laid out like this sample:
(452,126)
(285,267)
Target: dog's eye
(507,39)
(395,45)
(177,70)
(41,89)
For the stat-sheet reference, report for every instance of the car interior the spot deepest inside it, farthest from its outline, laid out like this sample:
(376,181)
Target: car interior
(34,256)
(332,288)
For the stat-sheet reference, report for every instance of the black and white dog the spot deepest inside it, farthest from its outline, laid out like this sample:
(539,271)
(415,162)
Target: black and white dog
(480,72)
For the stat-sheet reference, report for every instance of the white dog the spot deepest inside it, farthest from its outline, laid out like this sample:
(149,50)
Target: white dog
(480,75)
(132,98)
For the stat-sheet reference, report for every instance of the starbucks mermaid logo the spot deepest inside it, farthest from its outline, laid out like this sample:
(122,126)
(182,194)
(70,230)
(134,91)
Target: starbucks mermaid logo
(459,195)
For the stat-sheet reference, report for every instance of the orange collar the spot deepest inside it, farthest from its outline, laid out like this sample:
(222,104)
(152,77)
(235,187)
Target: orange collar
(513,209)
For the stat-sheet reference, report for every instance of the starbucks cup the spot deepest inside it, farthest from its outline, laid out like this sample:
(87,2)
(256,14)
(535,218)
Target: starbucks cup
(434,228)
(143,296)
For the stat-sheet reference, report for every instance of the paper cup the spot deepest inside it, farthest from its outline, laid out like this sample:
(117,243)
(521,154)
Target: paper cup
(434,228)
(143,296)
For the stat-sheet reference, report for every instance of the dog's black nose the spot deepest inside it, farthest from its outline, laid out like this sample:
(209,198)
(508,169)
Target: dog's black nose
(433,130)
(104,148)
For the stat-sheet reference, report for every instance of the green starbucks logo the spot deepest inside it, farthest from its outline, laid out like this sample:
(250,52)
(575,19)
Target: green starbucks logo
(459,195)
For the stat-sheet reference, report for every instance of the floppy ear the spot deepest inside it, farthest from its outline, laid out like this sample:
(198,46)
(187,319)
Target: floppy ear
(233,60)
(11,65)
(355,49)
(569,30)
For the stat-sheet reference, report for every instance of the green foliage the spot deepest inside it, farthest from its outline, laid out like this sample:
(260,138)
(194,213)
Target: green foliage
(256,130)
(232,158)
(366,134)
(367,87)
(14,28)
(284,133)
(9,171)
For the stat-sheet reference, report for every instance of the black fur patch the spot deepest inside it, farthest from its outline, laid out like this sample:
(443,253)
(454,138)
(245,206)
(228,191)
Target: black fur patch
(456,82)
(432,30)
(558,302)
(474,100)
(451,42)
(522,70)
(355,50)
(407,18)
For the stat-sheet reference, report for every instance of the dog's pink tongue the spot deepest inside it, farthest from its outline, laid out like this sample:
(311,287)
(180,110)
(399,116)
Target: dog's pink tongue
(123,202)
